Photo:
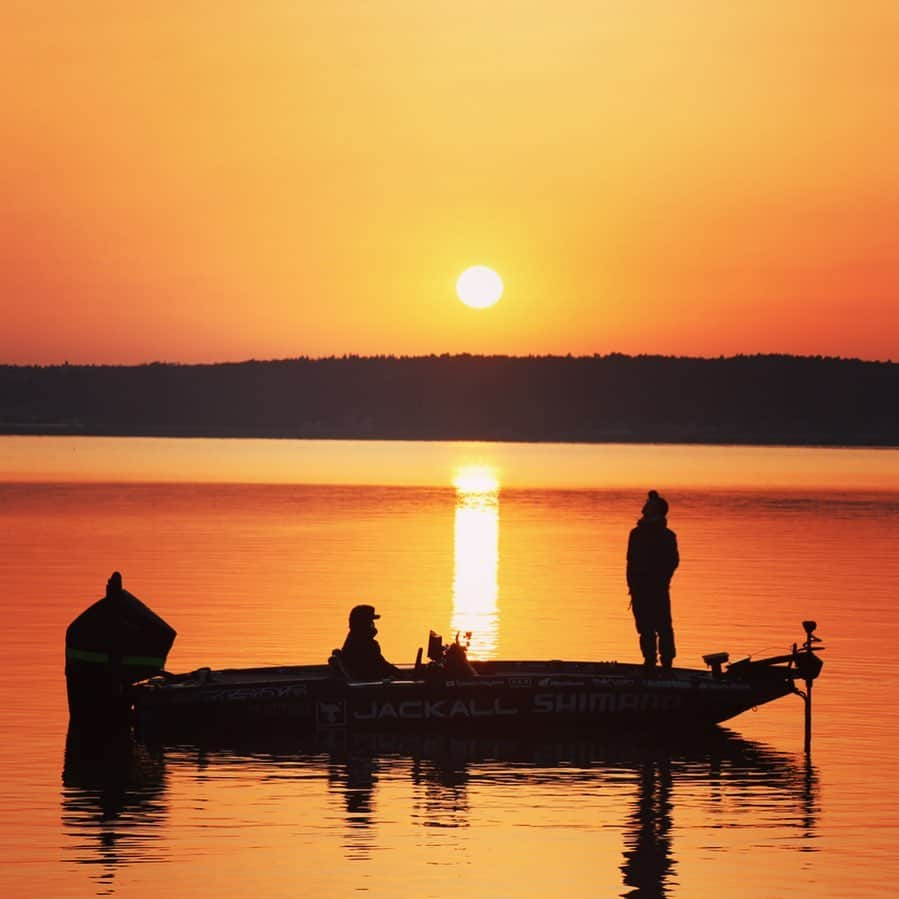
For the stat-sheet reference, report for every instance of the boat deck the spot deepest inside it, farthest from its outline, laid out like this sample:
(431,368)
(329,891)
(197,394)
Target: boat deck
(232,677)
(511,670)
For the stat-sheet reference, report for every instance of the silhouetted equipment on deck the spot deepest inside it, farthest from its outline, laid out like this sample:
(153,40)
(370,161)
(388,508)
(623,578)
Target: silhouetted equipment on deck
(450,660)
(715,660)
(435,647)
(111,645)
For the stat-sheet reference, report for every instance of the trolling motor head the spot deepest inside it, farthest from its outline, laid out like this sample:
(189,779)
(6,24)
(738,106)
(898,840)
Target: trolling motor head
(809,628)
(807,663)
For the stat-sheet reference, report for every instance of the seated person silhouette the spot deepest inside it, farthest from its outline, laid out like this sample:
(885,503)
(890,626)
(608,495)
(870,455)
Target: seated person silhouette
(361,654)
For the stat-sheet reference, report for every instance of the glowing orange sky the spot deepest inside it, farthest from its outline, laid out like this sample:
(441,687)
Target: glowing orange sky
(203,181)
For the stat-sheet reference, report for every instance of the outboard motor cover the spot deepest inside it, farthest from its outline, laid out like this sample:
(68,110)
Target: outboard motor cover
(112,644)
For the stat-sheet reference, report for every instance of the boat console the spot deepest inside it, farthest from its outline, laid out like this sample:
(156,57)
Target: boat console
(447,660)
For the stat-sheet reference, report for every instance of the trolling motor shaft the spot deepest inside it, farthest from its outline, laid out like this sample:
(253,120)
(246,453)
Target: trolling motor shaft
(809,667)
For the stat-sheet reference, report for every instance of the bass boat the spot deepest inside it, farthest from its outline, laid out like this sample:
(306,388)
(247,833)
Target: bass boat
(452,694)
(446,694)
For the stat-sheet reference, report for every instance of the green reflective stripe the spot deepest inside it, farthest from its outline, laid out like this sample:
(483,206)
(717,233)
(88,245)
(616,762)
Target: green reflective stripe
(102,658)
(143,661)
(82,655)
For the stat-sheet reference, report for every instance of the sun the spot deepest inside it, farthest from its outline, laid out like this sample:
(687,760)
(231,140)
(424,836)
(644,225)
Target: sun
(479,287)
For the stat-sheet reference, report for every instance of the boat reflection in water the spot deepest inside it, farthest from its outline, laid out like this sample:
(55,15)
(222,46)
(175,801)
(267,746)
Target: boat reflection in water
(719,771)
(764,777)
(448,781)
(112,802)
(476,558)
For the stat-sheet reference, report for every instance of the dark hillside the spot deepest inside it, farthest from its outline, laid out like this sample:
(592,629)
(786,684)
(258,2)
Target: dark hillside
(744,399)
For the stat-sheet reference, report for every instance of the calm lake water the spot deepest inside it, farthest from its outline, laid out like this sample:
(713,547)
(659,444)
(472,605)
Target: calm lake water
(255,551)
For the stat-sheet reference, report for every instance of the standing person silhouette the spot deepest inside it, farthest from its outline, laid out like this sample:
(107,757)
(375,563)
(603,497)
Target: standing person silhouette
(652,558)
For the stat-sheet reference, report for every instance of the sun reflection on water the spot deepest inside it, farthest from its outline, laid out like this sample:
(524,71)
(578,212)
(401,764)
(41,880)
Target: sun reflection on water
(476,558)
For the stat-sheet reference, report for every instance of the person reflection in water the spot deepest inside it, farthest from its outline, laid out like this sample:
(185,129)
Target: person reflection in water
(361,654)
(648,862)
(652,558)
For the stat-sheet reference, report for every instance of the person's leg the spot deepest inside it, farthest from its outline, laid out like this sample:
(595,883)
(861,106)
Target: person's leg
(665,630)
(643,619)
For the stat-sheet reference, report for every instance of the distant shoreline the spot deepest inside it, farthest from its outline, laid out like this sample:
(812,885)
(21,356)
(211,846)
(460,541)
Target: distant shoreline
(768,400)
(11,430)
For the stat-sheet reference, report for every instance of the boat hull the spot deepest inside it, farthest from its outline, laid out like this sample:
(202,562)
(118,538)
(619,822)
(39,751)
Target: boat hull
(589,698)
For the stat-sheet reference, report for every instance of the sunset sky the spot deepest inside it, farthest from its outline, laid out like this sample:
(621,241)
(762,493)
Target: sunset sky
(209,181)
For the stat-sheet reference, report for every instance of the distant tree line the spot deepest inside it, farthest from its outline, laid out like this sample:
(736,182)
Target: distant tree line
(776,399)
